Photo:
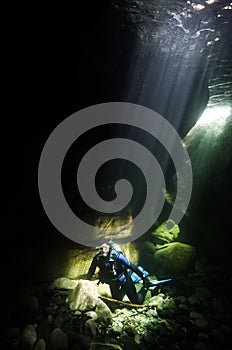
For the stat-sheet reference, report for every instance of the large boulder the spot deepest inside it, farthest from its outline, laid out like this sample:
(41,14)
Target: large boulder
(174,259)
(84,297)
(166,232)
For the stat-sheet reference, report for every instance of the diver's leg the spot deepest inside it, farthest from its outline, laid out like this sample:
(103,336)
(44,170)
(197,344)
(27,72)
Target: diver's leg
(116,291)
(142,294)
(130,290)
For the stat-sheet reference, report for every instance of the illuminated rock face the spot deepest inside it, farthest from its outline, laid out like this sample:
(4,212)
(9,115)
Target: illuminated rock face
(115,226)
(76,262)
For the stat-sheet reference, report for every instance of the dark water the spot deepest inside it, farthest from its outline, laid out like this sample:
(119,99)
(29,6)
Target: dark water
(161,54)
(171,56)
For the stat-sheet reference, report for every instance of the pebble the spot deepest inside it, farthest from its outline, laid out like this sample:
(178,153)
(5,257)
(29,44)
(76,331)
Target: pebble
(118,327)
(152,313)
(29,336)
(91,314)
(199,346)
(50,318)
(181,299)
(180,321)
(203,336)
(77,312)
(122,318)
(183,307)
(158,299)
(40,345)
(196,299)
(195,315)
(201,323)
(137,338)
(58,340)
(58,322)
(91,327)
(168,325)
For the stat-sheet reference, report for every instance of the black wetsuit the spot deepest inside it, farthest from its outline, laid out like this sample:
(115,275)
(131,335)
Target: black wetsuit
(114,270)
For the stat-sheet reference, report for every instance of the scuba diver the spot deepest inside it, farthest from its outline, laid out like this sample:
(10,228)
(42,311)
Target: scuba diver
(116,270)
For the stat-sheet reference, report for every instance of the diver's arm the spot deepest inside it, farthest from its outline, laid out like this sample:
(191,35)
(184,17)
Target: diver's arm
(121,258)
(146,281)
(127,263)
(92,268)
(132,267)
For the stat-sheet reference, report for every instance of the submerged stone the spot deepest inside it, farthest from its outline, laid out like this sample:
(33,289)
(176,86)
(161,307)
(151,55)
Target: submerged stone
(166,232)
(58,340)
(40,345)
(103,312)
(196,299)
(181,299)
(91,327)
(201,323)
(199,346)
(175,259)
(29,336)
(84,297)
(64,282)
(196,315)
(105,346)
(83,341)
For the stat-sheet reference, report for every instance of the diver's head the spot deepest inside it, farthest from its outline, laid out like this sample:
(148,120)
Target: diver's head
(104,248)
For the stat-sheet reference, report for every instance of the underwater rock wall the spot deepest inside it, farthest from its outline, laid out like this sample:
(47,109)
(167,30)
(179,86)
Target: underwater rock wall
(208,225)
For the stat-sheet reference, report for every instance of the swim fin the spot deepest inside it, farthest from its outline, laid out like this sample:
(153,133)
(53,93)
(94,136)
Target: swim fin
(157,283)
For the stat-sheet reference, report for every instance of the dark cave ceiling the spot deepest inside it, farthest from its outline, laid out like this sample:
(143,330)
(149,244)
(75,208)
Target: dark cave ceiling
(201,28)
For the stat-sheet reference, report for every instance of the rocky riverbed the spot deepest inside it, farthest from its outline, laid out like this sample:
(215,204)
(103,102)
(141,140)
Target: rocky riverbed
(193,312)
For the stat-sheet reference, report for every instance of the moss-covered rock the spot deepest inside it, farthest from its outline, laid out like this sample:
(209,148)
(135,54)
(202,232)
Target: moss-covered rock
(149,247)
(166,232)
(174,259)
